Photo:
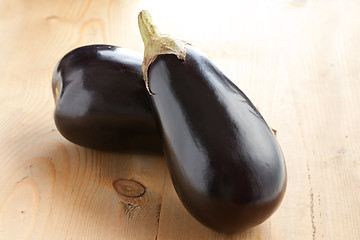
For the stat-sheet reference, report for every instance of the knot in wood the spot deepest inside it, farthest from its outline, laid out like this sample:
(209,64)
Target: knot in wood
(129,188)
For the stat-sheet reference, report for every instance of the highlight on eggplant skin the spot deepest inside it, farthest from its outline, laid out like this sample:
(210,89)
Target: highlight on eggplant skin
(225,163)
(101,100)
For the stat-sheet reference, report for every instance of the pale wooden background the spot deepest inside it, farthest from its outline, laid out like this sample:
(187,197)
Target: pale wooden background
(298,60)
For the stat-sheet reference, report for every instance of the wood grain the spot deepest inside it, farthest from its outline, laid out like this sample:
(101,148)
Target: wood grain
(298,60)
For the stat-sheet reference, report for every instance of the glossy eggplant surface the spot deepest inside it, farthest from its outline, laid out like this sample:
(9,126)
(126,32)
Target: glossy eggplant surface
(226,165)
(102,102)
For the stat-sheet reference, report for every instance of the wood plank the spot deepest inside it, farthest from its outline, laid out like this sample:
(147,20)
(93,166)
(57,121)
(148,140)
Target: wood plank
(281,74)
(298,60)
(50,188)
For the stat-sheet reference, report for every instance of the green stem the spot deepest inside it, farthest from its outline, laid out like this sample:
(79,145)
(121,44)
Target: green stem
(148,31)
(156,44)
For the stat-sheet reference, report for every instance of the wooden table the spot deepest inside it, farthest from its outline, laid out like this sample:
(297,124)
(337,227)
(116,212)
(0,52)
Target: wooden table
(298,60)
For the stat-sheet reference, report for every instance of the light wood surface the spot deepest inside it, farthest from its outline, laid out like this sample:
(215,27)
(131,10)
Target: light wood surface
(298,60)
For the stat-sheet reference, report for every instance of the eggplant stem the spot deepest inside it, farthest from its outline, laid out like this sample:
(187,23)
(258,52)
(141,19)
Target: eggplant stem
(148,30)
(156,44)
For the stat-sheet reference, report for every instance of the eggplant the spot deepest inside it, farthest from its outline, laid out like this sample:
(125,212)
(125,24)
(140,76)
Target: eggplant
(225,162)
(101,100)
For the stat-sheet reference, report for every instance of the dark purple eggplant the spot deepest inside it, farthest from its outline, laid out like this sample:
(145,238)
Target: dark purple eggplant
(102,102)
(226,165)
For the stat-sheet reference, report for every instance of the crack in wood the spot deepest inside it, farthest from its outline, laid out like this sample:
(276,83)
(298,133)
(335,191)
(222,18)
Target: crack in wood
(312,215)
(158,211)
(129,209)
(22,179)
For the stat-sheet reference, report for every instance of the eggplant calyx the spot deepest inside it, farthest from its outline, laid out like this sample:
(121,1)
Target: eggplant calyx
(156,44)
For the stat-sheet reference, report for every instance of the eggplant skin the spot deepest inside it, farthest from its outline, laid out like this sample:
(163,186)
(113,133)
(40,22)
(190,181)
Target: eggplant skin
(226,165)
(101,100)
